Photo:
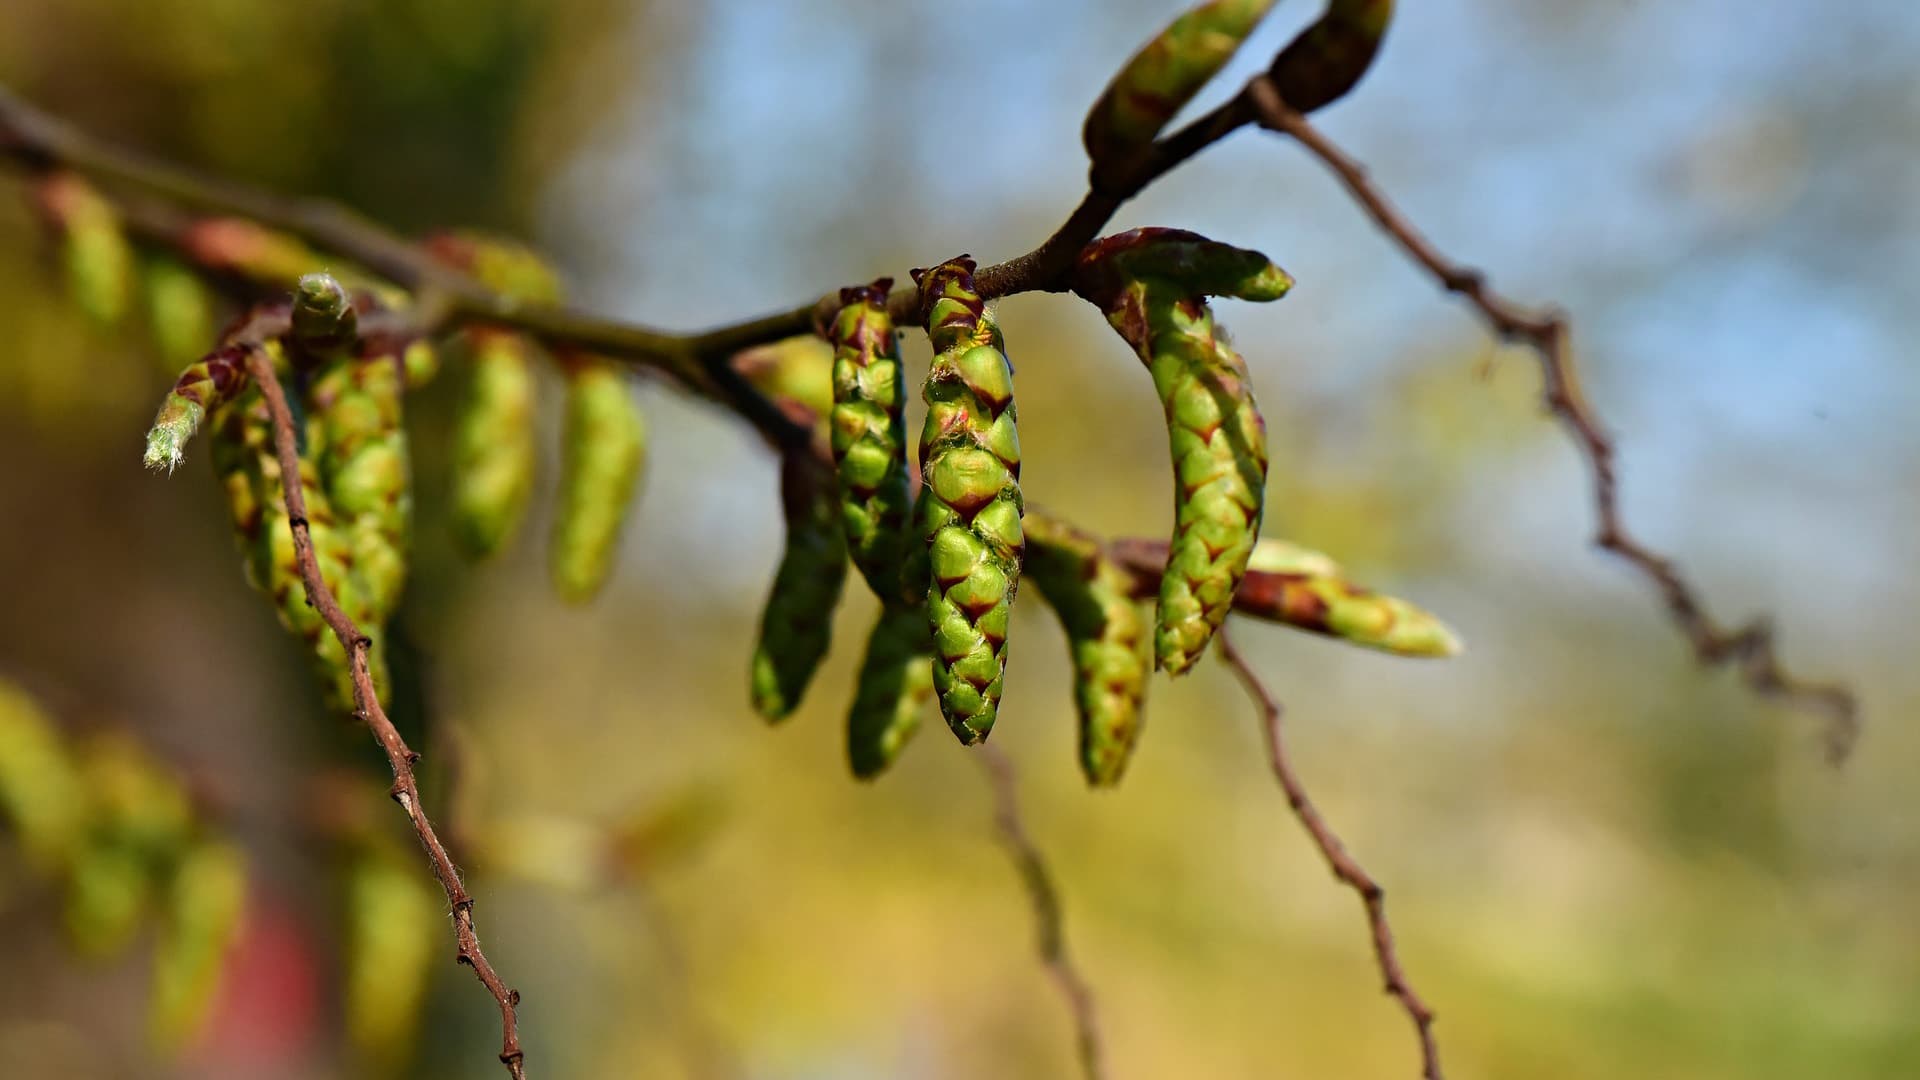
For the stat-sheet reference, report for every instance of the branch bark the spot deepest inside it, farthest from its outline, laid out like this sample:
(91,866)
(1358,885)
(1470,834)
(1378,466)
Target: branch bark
(1549,333)
(401,759)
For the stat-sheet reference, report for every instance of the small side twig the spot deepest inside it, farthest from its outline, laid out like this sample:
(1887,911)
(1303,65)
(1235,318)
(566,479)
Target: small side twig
(1548,333)
(1344,866)
(405,790)
(1049,922)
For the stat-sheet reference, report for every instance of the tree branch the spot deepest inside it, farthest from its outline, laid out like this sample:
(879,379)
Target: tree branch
(1548,333)
(1049,922)
(400,758)
(1344,866)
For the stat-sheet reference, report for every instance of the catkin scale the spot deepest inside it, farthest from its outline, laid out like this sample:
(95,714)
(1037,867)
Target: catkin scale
(797,622)
(1152,285)
(970,505)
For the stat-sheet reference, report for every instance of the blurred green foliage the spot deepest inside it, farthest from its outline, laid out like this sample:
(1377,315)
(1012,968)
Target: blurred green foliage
(1601,862)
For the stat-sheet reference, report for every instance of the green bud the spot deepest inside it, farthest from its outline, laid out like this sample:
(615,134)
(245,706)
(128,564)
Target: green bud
(894,687)
(205,385)
(1093,597)
(969,514)
(797,373)
(324,322)
(1165,74)
(1328,59)
(494,452)
(604,449)
(1214,430)
(797,622)
(869,437)
(1329,604)
(201,918)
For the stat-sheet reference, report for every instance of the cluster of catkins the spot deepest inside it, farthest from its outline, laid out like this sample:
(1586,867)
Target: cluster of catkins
(347,384)
(943,538)
(945,553)
(122,838)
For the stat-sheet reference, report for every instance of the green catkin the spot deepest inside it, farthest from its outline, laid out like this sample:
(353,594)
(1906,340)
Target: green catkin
(603,451)
(204,386)
(970,506)
(493,446)
(1165,74)
(1106,635)
(249,472)
(180,311)
(1152,284)
(869,434)
(365,469)
(797,622)
(894,686)
(98,258)
(201,912)
(1328,58)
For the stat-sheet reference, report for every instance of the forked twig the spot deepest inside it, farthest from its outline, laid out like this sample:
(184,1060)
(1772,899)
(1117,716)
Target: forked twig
(1344,866)
(405,790)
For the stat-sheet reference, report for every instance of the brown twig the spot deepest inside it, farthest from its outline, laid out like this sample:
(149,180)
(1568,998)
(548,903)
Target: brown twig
(1345,868)
(1749,648)
(1049,922)
(400,758)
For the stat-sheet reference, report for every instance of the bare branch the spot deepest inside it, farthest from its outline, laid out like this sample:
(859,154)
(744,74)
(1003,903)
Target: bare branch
(405,790)
(1049,922)
(1749,648)
(1344,866)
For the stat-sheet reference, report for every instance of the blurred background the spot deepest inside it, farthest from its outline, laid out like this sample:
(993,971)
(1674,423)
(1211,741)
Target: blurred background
(1602,862)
